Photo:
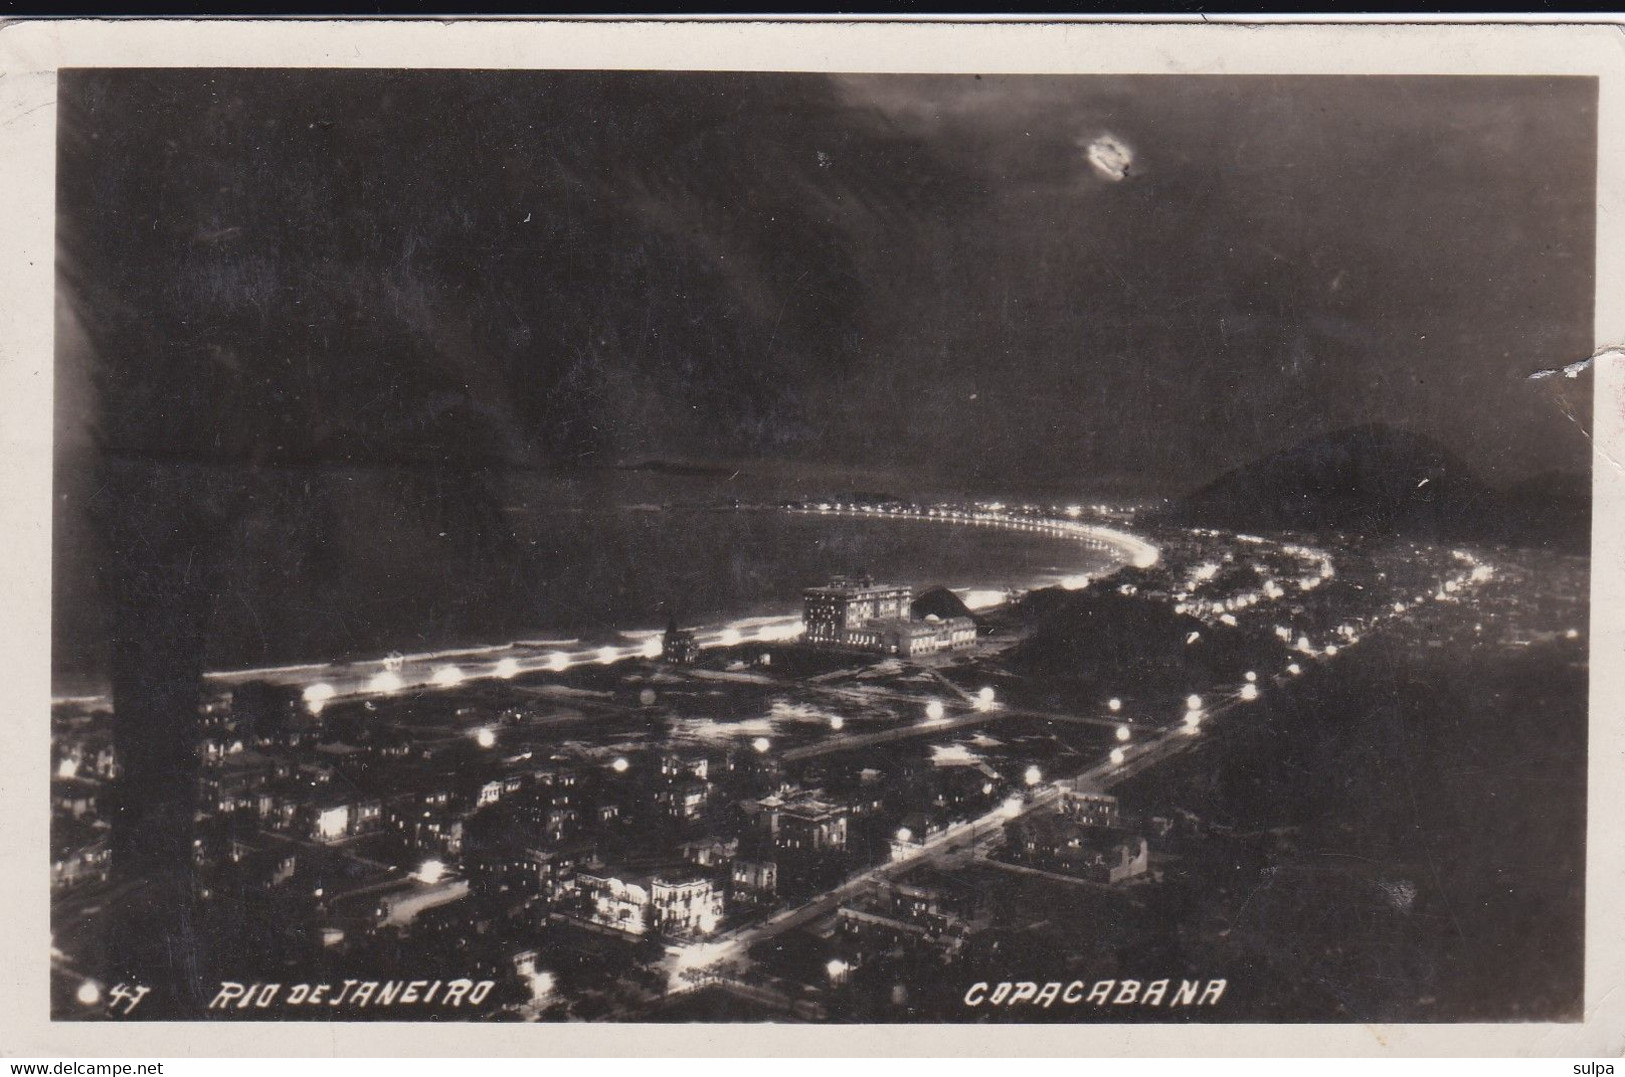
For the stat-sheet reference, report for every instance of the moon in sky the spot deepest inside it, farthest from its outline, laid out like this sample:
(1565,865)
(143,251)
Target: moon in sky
(1110,157)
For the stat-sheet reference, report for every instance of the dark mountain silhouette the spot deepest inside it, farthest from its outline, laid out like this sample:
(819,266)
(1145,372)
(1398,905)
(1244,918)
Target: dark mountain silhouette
(939,602)
(1077,633)
(1377,480)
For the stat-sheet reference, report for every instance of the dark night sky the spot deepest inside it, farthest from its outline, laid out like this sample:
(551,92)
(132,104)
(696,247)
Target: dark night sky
(922,272)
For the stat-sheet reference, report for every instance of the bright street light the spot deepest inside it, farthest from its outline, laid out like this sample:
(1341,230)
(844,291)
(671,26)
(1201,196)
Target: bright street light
(386,683)
(317,695)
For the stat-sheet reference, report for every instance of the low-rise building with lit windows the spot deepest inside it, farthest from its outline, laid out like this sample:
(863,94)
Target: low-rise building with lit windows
(678,901)
(684,903)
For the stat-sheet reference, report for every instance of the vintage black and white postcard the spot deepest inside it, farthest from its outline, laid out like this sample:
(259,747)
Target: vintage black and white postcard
(603,529)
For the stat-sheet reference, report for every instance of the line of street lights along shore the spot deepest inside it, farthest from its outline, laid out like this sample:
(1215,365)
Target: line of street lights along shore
(1027,518)
(389,680)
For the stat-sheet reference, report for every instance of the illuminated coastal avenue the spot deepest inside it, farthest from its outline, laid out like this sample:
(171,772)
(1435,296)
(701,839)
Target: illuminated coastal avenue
(755,795)
(451,668)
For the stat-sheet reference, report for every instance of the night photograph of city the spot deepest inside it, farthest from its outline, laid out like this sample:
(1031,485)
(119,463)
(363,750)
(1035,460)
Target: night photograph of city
(657,547)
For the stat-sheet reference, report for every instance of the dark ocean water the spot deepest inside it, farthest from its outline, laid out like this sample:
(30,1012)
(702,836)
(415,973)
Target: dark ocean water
(352,564)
